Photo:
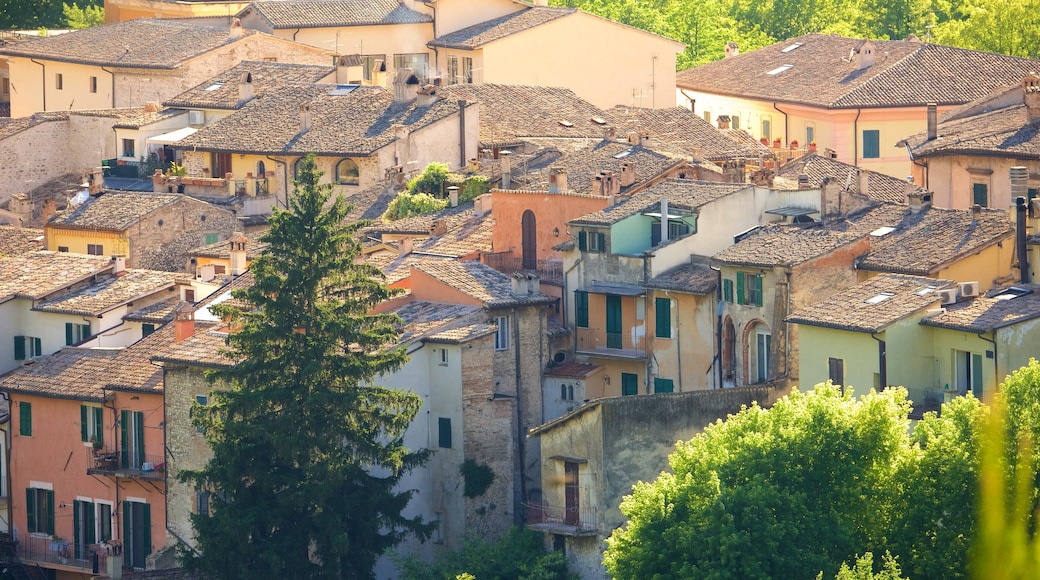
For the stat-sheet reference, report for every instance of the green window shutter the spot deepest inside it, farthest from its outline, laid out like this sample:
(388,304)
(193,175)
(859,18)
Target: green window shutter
(147,531)
(37,346)
(139,438)
(444,432)
(663,310)
(976,375)
(601,241)
(727,290)
(147,329)
(83,423)
(583,241)
(871,144)
(91,528)
(581,309)
(25,419)
(663,385)
(76,527)
(30,509)
(127,546)
(84,330)
(740,288)
(212,239)
(124,439)
(980,194)
(629,384)
(70,336)
(19,348)
(757,279)
(99,425)
(50,511)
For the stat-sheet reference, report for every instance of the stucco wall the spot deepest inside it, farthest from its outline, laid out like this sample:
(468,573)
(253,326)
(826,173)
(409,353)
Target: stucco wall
(949,178)
(551,212)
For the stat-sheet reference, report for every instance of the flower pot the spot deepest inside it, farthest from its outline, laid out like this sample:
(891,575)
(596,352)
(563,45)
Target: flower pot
(794,144)
(777,143)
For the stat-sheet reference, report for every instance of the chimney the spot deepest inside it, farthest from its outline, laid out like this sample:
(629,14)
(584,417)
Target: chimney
(864,182)
(439,227)
(428,96)
(21,206)
(803,181)
(236,30)
(207,272)
(49,209)
(118,266)
(305,118)
(405,246)
(151,107)
(628,174)
(473,165)
(482,204)
(349,70)
(933,123)
(1019,182)
(507,169)
(864,55)
(245,87)
(598,186)
(919,200)
(183,323)
(644,138)
(96,180)
(633,137)
(1031,96)
(379,74)
(609,132)
(664,219)
(830,197)
(453,195)
(732,49)
(238,244)
(557,180)
(1020,239)
(976,213)
(698,154)
(723,121)
(519,286)
(405,84)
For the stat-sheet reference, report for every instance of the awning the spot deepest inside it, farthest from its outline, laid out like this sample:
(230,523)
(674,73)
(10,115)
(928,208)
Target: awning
(616,289)
(172,137)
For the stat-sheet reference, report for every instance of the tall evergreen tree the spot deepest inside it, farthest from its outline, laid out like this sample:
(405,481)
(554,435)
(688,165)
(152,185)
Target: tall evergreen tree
(306,452)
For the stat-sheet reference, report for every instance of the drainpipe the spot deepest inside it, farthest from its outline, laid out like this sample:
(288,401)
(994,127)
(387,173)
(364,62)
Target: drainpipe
(882,361)
(521,439)
(646,306)
(43,81)
(924,166)
(693,101)
(462,133)
(855,138)
(295,33)
(787,134)
(113,75)
(285,180)
(717,359)
(996,359)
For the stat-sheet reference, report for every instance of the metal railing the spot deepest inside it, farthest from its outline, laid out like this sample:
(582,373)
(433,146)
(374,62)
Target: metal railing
(575,518)
(46,550)
(110,461)
(591,339)
(507,262)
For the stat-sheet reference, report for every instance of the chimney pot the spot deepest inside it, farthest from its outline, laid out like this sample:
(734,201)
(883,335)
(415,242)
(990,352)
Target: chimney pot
(504,160)
(183,323)
(628,174)
(557,180)
(732,49)
(933,123)
(453,195)
(305,118)
(1031,96)
(245,87)
(236,30)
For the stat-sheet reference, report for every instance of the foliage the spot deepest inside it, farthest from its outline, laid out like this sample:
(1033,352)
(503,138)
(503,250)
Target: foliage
(519,555)
(431,180)
(476,478)
(77,16)
(1002,26)
(412,204)
(177,170)
(306,453)
(864,569)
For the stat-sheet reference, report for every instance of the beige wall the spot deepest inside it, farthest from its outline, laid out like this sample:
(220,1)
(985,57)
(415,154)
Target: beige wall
(363,40)
(452,15)
(952,177)
(687,356)
(123,10)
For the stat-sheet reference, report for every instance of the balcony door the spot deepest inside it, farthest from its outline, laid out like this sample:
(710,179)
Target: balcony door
(529,243)
(613,321)
(137,533)
(571,499)
(131,434)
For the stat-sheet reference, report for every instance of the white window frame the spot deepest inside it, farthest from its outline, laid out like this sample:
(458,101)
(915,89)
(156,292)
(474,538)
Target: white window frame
(502,334)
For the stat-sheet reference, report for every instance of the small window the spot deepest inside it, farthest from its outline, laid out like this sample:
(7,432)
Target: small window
(871,144)
(202,502)
(836,371)
(59,81)
(663,385)
(189,295)
(96,249)
(26,347)
(146,329)
(39,510)
(444,433)
(727,290)
(707,116)
(980,194)
(63,248)
(93,84)
(749,289)
(767,129)
(629,384)
(467,70)
(502,334)
(202,400)
(347,173)
(212,239)
(453,69)
(25,419)
(444,357)
(5,86)
(90,424)
(563,392)
(597,242)
(663,308)
(581,309)
(128,148)
(810,134)
(76,333)
(735,120)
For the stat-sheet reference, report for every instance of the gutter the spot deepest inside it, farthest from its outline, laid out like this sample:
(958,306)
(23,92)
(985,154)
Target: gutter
(693,101)
(855,138)
(910,154)
(113,75)
(43,81)
(787,134)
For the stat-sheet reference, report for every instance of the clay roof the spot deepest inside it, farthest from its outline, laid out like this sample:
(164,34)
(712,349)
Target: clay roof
(15,241)
(109,293)
(440,322)
(680,192)
(1005,132)
(357,123)
(880,187)
(395,267)
(222,91)
(204,348)
(142,43)
(326,13)
(84,374)
(988,313)
(112,211)
(158,313)
(784,245)
(369,204)
(467,237)
(583,165)
(820,73)
(510,114)
(572,369)
(691,278)
(480,282)
(37,275)
(678,129)
(874,304)
(453,217)
(222,249)
(476,36)
(10,127)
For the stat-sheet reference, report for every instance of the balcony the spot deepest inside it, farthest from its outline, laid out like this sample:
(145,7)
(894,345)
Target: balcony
(597,342)
(63,555)
(562,520)
(507,262)
(109,461)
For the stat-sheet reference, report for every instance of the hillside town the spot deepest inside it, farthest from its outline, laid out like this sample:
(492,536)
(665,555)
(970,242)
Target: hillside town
(650,250)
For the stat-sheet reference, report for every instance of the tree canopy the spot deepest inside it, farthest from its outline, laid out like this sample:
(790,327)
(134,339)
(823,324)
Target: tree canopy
(306,452)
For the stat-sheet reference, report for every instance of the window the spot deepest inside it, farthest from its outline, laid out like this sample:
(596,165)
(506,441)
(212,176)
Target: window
(131,437)
(76,333)
(467,70)
(591,241)
(968,372)
(93,84)
(871,144)
(189,295)
(201,400)
(146,329)
(707,116)
(104,522)
(727,290)
(202,502)
(810,134)
(767,129)
(629,384)
(96,249)
(373,63)
(90,424)
(63,248)
(581,309)
(444,357)
(502,334)
(749,288)
(663,309)
(763,343)
(39,508)
(137,533)
(735,119)
(567,392)
(297,168)
(27,347)
(444,433)
(212,239)
(836,371)
(128,148)
(59,81)
(663,385)
(677,229)
(980,194)
(347,173)
(418,63)
(25,419)
(453,69)
(5,86)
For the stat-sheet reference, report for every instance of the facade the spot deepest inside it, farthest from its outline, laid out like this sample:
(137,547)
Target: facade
(857,98)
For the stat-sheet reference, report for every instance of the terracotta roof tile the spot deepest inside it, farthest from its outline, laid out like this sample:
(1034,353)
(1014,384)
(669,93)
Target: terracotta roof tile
(113,211)
(987,313)
(37,275)
(874,304)
(109,293)
(680,130)
(472,235)
(438,321)
(10,127)
(479,281)
(784,245)
(325,13)
(478,35)
(15,241)
(158,313)
(691,278)
(880,187)
(680,192)
(573,369)
(205,348)
(222,91)
(583,165)
(1005,132)
(905,73)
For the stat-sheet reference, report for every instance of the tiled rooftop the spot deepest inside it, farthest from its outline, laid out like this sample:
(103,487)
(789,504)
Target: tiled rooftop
(478,35)
(158,313)
(880,187)
(479,281)
(469,236)
(108,293)
(222,249)
(784,245)
(987,313)
(511,114)
(10,127)
(1004,132)
(222,90)
(354,124)
(15,241)
(84,374)
(692,278)
(572,369)
(425,320)
(135,118)
(905,73)
(325,13)
(584,164)
(142,43)
(874,304)
(37,275)
(680,192)
(205,348)
(420,225)
(678,129)
(112,211)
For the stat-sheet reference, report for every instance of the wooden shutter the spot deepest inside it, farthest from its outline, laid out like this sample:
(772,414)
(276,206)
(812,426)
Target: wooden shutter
(99,424)
(601,242)
(980,194)
(19,348)
(76,523)
(138,438)
(124,439)
(581,309)
(740,289)
(84,436)
(127,546)
(757,279)
(147,531)
(70,336)
(30,509)
(583,241)
(976,375)
(25,419)
(871,144)
(663,313)
(444,432)
(727,290)
(50,511)
(663,385)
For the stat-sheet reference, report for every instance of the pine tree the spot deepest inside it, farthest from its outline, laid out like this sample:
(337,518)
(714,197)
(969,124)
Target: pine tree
(306,452)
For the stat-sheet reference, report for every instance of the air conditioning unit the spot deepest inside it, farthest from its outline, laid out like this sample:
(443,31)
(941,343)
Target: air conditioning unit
(969,289)
(195,117)
(948,296)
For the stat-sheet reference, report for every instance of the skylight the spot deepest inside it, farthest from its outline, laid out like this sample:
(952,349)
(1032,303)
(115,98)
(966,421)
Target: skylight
(879,298)
(623,154)
(1012,292)
(925,290)
(792,47)
(779,69)
(599,120)
(882,231)
(566,123)
(214,86)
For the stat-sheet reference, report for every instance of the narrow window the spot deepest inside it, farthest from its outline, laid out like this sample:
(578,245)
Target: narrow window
(629,384)
(444,432)
(467,70)
(25,419)
(128,148)
(871,144)
(146,329)
(453,69)
(58,81)
(502,335)
(581,309)
(90,428)
(663,385)
(444,357)
(727,290)
(836,371)
(980,194)
(202,502)
(93,84)
(663,309)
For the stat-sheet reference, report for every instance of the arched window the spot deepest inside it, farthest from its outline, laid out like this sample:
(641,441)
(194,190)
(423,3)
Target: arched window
(347,172)
(297,167)
(261,169)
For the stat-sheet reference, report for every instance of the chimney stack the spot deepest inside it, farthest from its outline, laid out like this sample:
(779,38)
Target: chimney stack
(183,323)
(404,85)
(236,30)
(933,123)
(1031,96)
(610,132)
(507,169)
(976,213)
(1020,239)
(723,121)
(405,246)
(118,266)
(96,180)
(698,154)
(21,206)
(238,243)
(732,49)
(245,88)
(628,174)
(919,200)
(439,227)
(864,55)
(453,195)
(664,219)
(305,118)
(864,182)
(349,70)
(557,180)
(1019,182)
(598,186)
(803,181)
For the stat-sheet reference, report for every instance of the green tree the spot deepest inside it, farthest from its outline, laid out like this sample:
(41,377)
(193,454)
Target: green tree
(518,555)
(83,16)
(431,180)
(412,204)
(307,454)
(1003,26)
(863,569)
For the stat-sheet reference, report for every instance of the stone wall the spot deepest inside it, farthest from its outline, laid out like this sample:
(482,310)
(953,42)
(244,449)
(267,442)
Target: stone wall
(184,226)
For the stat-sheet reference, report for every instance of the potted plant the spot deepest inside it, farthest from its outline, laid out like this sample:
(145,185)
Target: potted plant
(96,443)
(812,146)
(764,141)
(794,144)
(777,143)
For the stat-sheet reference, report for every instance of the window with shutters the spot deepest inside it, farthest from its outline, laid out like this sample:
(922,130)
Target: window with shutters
(131,439)
(467,70)
(592,241)
(146,329)
(76,333)
(663,385)
(629,384)
(727,290)
(663,310)
(39,510)
(871,144)
(444,432)
(202,502)
(453,69)
(581,309)
(96,249)
(980,194)
(25,419)
(26,347)
(836,371)
(91,423)
(749,289)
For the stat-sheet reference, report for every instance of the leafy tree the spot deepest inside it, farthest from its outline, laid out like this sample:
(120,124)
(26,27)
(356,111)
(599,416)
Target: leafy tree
(83,16)
(519,555)
(412,204)
(1002,26)
(307,454)
(864,569)
(431,180)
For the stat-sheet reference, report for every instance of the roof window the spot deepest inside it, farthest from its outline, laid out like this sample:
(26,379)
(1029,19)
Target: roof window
(879,298)
(214,86)
(779,69)
(883,231)
(566,123)
(792,47)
